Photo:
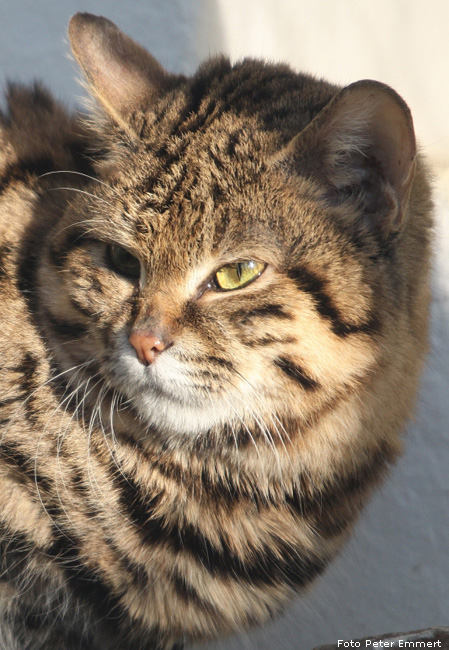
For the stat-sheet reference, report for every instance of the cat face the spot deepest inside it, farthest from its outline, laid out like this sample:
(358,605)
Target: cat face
(203,260)
(222,268)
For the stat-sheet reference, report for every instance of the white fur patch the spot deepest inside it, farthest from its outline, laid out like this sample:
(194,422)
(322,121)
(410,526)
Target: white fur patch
(166,395)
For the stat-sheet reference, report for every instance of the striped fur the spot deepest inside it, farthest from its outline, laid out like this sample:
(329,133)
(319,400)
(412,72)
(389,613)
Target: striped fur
(142,506)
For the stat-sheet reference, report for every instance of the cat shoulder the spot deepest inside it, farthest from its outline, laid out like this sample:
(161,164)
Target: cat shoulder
(39,138)
(33,124)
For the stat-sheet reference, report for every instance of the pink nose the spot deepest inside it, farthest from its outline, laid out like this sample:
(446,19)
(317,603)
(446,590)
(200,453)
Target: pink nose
(146,345)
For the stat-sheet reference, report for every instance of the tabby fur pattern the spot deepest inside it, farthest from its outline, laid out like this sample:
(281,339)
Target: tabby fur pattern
(149,498)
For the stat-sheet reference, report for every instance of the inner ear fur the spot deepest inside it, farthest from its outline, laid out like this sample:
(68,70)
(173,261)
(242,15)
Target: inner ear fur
(123,76)
(362,144)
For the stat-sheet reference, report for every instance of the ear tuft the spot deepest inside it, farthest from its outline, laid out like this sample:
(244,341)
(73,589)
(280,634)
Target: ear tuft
(362,145)
(123,76)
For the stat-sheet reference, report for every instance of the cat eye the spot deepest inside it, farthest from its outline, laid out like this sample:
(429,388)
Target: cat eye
(238,274)
(123,261)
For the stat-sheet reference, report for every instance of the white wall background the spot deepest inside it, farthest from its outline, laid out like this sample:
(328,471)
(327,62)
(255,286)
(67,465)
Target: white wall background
(394,574)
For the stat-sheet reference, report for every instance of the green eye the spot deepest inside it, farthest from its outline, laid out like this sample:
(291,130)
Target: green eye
(238,274)
(123,262)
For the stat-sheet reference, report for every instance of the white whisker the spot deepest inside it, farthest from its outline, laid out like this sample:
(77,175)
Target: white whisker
(76,173)
(75,189)
(21,404)
(66,399)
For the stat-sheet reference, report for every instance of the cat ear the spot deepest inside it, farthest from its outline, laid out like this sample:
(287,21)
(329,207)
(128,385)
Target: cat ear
(123,75)
(362,144)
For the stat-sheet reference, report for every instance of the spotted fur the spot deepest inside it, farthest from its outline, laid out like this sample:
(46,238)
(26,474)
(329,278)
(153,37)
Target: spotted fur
(144,505)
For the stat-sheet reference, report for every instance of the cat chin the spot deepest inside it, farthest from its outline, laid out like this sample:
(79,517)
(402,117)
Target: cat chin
(167,416)
(163,395)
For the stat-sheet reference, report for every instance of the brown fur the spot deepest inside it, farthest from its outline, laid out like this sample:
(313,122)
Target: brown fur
(142,506)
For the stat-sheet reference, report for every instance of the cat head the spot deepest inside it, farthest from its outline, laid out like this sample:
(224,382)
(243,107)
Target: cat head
(225,268)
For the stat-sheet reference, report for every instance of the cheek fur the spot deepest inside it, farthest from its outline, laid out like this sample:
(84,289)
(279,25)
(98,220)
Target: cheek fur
(255,351)
(99,294)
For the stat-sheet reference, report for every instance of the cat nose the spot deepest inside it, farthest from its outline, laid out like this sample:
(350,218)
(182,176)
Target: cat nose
(146,345)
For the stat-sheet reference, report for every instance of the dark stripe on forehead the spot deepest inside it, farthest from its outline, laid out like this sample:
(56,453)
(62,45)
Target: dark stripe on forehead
(201,87)
(294,371)
(166,178)
(143,224)
(310,283)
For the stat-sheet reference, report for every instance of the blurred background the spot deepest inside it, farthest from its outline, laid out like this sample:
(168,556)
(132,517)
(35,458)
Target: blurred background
(394,574)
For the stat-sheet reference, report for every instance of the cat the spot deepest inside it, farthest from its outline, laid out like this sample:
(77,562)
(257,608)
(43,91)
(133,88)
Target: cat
(215,297)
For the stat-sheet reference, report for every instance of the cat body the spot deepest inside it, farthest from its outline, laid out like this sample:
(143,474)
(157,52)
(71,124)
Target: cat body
(214,315)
